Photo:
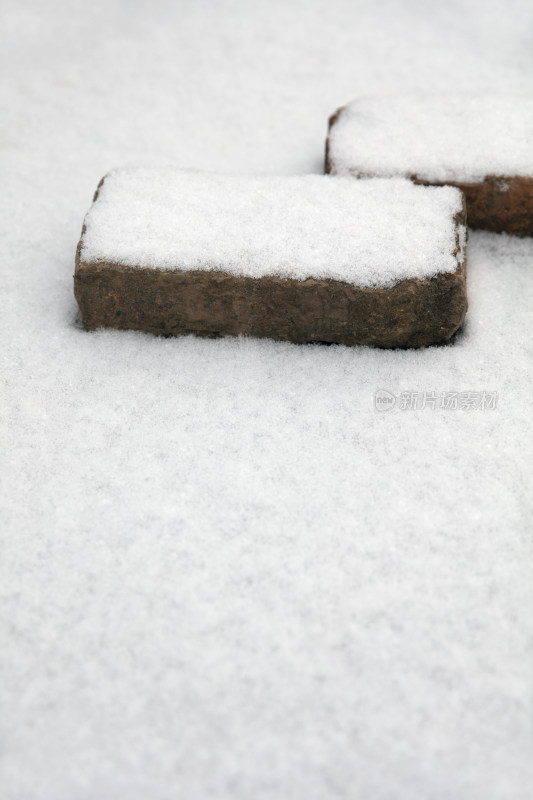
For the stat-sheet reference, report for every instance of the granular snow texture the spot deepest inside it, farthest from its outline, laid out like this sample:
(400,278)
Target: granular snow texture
(223,573)
(368,233)
(436,137)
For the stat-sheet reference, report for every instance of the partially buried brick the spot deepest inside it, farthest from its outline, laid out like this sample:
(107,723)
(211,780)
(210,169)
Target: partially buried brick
(300,259)
(482,144)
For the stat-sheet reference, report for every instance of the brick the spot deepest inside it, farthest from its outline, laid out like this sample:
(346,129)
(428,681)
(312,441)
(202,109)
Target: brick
(213,302)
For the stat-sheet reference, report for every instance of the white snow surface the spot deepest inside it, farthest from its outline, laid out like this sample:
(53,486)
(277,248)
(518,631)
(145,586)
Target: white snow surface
(437,137)
(223,573)
(370,233)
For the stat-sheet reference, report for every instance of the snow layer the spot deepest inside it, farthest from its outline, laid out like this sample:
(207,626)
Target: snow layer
(370,233)
(223,573)
(437,137)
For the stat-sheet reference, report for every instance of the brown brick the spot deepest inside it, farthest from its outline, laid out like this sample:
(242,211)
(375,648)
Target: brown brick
(413,313)
(212,302)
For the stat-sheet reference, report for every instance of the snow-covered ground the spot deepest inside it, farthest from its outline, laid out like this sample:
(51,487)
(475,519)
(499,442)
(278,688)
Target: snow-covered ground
(224,573)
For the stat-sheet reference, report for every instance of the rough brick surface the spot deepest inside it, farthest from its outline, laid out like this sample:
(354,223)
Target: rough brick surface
(501,204)
(413,313)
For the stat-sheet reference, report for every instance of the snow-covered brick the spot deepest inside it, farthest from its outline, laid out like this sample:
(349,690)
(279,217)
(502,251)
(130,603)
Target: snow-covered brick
(481,143)
(299,258)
